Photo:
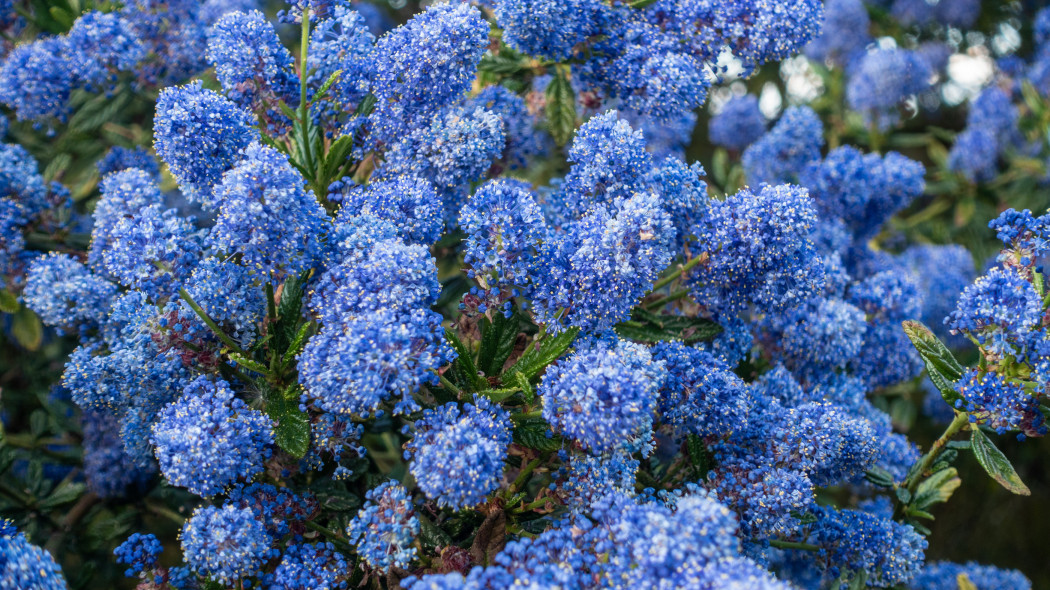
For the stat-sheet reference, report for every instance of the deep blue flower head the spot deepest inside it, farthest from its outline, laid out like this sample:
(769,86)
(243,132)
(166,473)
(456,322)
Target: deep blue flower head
(230,294)
(545,28)
(354,367)
(24,565)
(700,395)
(457,147)
(944,575)
(589,477)
(760,251)
(942,273)
(20,182)
(319,9)
(1001,404)
(353,236)
(119,158)
(255,70)
(763,496)
(175,35)
(994,111)
(208,439)
(1026,237)
(124,194)
(36,79)
(279,509)
(456,454)
(199,134)
(505,231)
(63,292)
(315,566)
(821,334)
(105,44)
(408,202)
(999,309)
(524,140)
(393,276)
(684,196)
(268,216)
(604,395)
(825,441)
(342,43)
(660,86)
(225,544)
(139,552)
(108,469)
(886,357)
(897,454)
(845,32)
(425,65)
(594,273)
(975,154)
(891,552)
(386,527)
(783,153)
(882,79)
(151,250)
(888,295)
(609,164)
(739,124)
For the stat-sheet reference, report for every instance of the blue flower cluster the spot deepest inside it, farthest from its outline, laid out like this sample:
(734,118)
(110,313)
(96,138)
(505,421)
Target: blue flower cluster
(386,527)
(24,565)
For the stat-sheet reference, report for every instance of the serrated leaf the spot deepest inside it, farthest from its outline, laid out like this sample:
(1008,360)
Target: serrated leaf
(532,433)
(561,107)
(497,343)
(536,359)
(467,370)
(648,327)
(698,455)
(323,90)
(936,489)
(26,329)
(8,302)
(522,382)
(248,363)
(996,464)
(490,538)
(289,312)
(879,477)
(292,432)
(505,63)
(941,365)
(431,535)
(63,494)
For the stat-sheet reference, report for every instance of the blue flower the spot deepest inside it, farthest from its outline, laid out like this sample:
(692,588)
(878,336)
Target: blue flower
(24,565)
(63,292)
(1000,403)
(683,195)
(110,472)
(280,510)
(342,43)
(152,250)
(999,309)
(105,44)
(760,251)
(783,153)
(409,203)
(700,395)
(604,395)
(386,527)
(200,134)
(739,124)
(524,140)
(208,439)
(119,158)
(139,552)
(944,575)
(268,216)
(505,232)
(545,28)
(225,544)
(36,80)
(882,79)
(353,367)
(845,32)
(891,552)
(315,566)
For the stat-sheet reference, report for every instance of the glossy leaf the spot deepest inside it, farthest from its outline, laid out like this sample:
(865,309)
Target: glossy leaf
(996,464)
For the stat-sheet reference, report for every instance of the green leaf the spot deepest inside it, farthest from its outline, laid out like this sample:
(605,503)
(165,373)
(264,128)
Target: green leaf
(293,426)
(941,365)
(289,312)
(464,365)
(249,364)
(521,381)
(431,535)
(698,455)
(532,433)
(536,359)
(63,494)
(26,329)
(937,488)
(879,477)
(497,343)
(504,63)
(648,327)
(996,464)
(561,107)
(323,90)
(8,302)
(297,343)
(964,582)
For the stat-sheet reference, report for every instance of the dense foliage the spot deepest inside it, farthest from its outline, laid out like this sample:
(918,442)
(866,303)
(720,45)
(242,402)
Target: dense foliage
(325,294)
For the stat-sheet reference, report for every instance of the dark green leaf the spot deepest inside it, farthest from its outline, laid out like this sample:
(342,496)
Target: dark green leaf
(561,107)
(292,432)
(497,343)
(505,63)
(996,464)
(521,381)
(248,363)
(698,455)
(532,433)
(879,477)
(648,327)
(536,359)
(26,329)
(941,365)
(431,535)
(8,302)
(289,312)
(467,370)
(63,494)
